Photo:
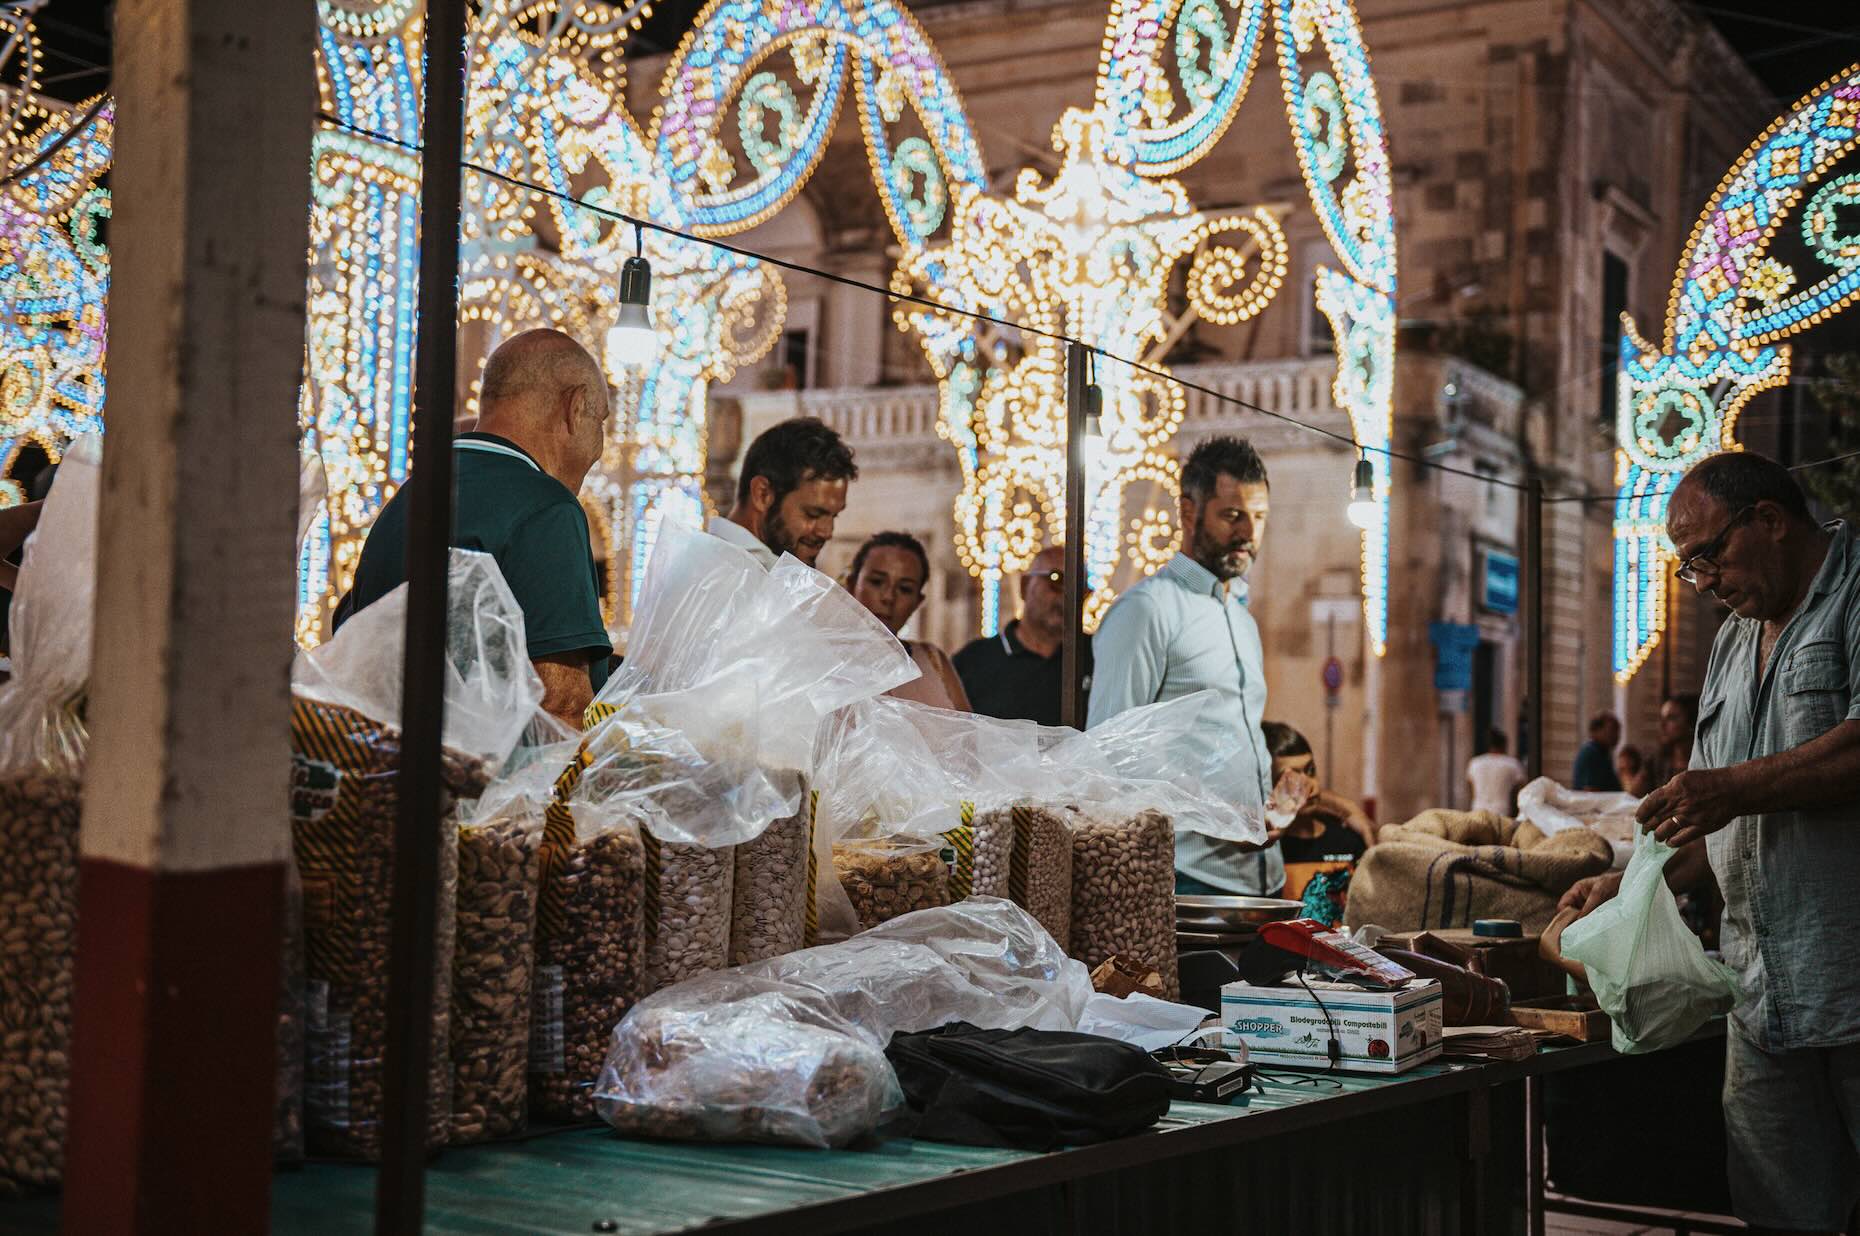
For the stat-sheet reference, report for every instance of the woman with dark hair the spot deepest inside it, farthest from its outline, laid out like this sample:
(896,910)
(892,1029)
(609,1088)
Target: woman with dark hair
(888,576)
(1679,721)
(1325,838)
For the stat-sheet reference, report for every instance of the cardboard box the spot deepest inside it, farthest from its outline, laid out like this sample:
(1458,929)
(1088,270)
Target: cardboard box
(1379,1031)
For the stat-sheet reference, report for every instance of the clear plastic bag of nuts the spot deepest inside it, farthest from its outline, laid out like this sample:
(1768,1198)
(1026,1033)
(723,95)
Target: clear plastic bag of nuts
(888,878)
(42,750)
(1123,891)
(774,893)
(590,949)
(344,810)
(688,910)
(345,785)
(500,877)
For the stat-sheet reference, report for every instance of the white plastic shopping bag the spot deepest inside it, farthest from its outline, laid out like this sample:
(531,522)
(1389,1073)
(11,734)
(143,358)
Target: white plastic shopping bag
(1650,973)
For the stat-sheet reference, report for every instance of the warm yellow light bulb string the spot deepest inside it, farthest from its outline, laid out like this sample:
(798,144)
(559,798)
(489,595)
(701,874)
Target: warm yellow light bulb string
(640,224)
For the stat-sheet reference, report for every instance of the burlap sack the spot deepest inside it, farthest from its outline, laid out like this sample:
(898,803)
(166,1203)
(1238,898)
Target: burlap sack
(1448,868)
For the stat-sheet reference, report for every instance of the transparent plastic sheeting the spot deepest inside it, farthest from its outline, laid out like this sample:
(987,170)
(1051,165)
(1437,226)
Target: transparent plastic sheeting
(492,691)
(792,1049)
(894,767)
(730,671)
(40,727)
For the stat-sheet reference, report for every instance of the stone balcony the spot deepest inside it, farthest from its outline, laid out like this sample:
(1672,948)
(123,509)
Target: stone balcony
(895,428)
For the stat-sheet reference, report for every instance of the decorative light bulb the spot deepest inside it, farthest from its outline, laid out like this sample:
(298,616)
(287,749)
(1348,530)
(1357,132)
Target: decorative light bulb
(1094,411)
(1364,510)
(632,343)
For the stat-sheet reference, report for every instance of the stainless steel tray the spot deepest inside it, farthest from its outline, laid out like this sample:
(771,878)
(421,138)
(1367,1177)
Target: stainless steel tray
(1198,913)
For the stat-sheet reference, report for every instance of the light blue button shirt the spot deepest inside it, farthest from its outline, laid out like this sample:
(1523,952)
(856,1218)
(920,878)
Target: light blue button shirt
(1791,915)
(1178,632)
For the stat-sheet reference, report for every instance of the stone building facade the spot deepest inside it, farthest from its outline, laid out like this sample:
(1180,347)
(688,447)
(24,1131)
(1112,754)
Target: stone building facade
(1550,158)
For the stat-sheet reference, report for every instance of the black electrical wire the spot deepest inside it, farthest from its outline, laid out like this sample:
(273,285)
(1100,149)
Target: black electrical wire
(57,144)
(640,223)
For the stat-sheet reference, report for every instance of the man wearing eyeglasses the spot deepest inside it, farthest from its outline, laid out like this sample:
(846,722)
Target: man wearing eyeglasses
(1770,806)
(1018,673)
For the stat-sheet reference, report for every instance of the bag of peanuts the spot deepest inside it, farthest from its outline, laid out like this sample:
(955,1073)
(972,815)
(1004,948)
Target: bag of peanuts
(791,1049)
(42,747)
(345,802)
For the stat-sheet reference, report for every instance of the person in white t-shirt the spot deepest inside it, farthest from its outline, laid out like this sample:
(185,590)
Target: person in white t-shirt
(1495,776)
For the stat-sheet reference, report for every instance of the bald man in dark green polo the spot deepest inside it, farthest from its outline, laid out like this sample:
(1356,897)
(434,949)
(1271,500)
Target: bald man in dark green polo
(542,424)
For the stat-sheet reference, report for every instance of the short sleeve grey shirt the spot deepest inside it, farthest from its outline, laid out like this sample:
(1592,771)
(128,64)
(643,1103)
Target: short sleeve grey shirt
(1792,911)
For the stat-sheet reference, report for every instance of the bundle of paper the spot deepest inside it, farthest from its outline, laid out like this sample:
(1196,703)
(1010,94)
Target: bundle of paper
(1489,1042)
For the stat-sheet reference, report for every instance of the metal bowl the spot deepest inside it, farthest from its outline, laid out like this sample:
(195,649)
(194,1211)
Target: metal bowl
(1197,913)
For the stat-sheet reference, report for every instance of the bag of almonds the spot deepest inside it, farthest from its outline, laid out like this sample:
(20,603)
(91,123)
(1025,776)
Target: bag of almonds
(42,748)
(345,802)
(590,949)
(493,963)
(1123,891)
(345,805)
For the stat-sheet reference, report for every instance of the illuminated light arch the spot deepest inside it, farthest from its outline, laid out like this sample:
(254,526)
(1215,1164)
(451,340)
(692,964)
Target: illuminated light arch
(1091,254)
(54,268)
(1732,307)
(543,89)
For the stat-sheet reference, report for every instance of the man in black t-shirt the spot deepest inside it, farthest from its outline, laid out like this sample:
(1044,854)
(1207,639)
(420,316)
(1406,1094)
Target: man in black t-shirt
(1019,673)
(542,425)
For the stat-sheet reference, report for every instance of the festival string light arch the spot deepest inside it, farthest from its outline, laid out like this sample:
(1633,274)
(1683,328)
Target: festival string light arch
(1733,306)
(54,266)
(745,111)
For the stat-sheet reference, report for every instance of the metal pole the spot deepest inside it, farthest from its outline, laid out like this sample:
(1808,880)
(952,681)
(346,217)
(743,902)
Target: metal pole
(1534,622)
(400,1194)
(1072,700)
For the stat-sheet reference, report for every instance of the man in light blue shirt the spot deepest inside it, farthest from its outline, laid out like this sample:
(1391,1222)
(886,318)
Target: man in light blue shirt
(1771,808)
(1186,629)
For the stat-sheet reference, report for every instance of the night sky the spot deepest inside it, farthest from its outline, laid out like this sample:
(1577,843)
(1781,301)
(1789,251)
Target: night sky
(1793,45)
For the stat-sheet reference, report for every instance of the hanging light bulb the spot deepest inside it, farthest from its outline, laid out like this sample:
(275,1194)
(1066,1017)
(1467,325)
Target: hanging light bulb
(1364,510)
(1094,398)
(631,342)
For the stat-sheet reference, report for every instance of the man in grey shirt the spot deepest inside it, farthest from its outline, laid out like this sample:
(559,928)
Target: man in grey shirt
(1771,805)
(1186,629)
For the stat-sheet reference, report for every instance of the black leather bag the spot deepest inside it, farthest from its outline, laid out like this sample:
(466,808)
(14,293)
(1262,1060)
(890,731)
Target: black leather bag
(1026,1089)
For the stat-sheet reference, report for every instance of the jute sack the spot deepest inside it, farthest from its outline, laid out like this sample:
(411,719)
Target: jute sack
(1448,868)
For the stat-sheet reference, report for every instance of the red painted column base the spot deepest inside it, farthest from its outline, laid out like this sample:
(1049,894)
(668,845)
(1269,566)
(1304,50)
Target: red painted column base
(174,1062)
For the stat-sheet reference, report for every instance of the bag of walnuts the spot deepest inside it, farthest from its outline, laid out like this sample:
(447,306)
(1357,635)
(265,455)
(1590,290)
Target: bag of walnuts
(42,749)
(888,878)
(345,803)
(1123,892)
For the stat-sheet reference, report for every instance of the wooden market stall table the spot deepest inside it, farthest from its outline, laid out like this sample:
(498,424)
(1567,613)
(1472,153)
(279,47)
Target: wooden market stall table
(1441,1148)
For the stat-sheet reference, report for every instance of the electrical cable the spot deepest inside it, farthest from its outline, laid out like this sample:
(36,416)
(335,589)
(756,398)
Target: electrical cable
(57,144)
(927,302)
(639,223)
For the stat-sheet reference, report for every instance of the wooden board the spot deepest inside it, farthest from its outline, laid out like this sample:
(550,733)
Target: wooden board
(1575,1017)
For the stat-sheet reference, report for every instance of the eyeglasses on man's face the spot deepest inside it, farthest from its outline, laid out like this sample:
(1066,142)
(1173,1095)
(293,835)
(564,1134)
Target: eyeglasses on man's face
(1705,559)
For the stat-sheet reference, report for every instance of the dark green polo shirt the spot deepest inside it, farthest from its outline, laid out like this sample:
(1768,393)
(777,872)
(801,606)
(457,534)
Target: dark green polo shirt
(506,506)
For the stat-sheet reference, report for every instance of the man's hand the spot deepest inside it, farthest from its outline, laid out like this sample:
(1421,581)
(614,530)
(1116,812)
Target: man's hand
(1584,895)
(1694,804)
